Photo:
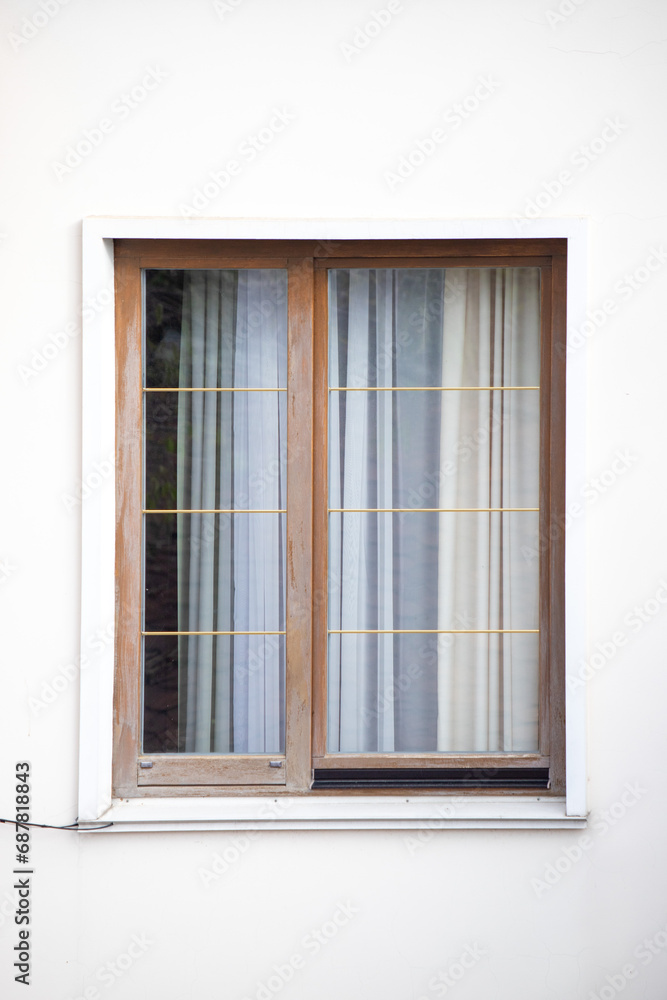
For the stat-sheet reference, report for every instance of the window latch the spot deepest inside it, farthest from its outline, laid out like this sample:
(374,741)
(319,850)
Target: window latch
(275,763)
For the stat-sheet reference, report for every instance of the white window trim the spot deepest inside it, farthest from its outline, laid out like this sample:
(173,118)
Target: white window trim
(96,804)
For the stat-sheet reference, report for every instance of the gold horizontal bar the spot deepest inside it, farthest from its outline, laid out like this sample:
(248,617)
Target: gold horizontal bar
(216,389)
(433,388)
(427,510)
(179,511)
(432,631)
(213,633)
(357,510)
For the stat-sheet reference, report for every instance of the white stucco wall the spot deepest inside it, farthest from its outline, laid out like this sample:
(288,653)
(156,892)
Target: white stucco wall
(415,904)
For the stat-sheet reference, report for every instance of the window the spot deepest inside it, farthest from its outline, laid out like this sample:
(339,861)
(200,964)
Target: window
(340,496)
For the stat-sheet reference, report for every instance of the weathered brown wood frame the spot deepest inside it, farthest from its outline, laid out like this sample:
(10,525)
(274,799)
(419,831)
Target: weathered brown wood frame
(306,625)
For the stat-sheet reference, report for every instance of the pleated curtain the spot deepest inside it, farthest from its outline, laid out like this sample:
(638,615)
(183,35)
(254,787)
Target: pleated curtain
(418,592)
(470,451)
(231,454)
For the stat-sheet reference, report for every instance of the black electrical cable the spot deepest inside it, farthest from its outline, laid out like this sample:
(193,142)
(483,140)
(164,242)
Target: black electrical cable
(70,826)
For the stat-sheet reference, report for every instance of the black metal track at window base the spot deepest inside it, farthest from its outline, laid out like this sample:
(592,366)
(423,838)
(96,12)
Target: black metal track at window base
(437,777)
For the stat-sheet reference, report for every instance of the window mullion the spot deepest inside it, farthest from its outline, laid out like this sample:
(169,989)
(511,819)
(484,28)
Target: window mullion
(300,309)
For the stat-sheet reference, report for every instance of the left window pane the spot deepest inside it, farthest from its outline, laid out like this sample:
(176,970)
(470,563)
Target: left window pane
(215,369)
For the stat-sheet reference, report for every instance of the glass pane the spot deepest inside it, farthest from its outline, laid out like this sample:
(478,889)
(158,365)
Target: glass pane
(215,451)
(470,451)
(386,326)
(242,700)
(214,572)
(435,449)
(208,328)
(432,571)
(428,693)
(246,431)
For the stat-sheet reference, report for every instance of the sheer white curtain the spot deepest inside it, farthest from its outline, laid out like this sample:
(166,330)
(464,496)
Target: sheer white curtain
(416,328)
(231,457)
(361,546)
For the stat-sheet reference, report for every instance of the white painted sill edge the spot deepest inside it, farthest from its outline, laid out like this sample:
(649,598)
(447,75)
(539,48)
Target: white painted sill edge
(342,813)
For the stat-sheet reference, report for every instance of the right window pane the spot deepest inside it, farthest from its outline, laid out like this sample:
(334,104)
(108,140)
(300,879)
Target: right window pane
(434,455)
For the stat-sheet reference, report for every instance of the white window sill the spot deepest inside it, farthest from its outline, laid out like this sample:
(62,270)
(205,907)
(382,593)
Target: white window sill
(339,813)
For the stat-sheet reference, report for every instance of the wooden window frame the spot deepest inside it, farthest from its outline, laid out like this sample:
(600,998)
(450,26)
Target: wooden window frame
(136,774)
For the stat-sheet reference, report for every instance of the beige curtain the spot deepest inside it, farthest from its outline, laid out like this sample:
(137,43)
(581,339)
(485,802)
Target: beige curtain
(487,684)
